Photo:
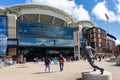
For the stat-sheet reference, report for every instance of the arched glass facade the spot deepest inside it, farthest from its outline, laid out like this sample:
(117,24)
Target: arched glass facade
(41,34)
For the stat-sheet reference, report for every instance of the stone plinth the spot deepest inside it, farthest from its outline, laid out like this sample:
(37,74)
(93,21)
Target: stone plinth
(118,60)
(95,75)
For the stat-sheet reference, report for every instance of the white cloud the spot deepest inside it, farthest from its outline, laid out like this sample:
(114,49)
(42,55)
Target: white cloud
(69,6)
(80,13)
(117,42)
(117,3)
(100,10)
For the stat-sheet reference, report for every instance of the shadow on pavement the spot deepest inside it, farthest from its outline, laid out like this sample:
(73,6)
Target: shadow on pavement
(45,72)
(117,65)
(22,67)
(79,79)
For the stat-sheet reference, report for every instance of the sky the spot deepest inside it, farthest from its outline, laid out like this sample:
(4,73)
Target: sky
(93,10)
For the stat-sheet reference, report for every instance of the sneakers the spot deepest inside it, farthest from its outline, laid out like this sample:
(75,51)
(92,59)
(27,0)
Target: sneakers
(102,70)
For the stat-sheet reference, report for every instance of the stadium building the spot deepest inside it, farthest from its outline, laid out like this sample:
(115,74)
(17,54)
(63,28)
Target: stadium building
(38,30)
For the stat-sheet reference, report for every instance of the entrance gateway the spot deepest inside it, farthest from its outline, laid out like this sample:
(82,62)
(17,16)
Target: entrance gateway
(40,52)
(40,39)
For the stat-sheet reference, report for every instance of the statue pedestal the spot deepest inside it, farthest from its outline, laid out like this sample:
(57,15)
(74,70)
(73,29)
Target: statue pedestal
(95,75)
(118,60)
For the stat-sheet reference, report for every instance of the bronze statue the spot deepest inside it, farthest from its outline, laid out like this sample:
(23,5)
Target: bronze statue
(87,51)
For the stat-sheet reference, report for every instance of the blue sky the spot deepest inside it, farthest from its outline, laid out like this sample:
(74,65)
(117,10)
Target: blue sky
(93,10)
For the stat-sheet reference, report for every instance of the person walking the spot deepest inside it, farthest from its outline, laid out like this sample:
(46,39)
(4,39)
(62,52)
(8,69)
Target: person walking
(47,64)
(34,59)
(61,62)
(37,59)
(87,51)
(55,61)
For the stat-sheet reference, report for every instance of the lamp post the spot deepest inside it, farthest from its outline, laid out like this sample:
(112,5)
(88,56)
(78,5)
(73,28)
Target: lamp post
(107,28)
(107,23)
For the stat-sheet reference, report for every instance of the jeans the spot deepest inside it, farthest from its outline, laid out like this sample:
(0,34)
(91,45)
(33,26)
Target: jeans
(61,66)
(47,66)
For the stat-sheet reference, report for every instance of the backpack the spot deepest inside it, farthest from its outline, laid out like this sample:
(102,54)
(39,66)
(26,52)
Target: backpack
(61,60)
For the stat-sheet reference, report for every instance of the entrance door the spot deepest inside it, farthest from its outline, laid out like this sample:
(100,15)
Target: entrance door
(31,52)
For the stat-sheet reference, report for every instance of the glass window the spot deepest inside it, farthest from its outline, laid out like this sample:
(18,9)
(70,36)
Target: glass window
(44,30)
(99,35)
(63,42)
(110,45)
(92,35)
(82,41)
(100,45)
(91,30)
(99,40)
(3,25)
(45,41)
(3,35)
(99,30)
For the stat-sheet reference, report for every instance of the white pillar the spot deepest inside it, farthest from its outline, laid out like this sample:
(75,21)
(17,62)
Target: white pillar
(12,31)
(77,37)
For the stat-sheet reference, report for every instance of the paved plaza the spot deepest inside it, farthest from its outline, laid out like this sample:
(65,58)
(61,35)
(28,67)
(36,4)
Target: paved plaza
(72,71)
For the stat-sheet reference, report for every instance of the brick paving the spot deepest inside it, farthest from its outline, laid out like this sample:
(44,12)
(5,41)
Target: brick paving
(36,71)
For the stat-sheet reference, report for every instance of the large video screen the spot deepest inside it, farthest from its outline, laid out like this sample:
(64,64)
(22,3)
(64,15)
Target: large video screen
(3,35)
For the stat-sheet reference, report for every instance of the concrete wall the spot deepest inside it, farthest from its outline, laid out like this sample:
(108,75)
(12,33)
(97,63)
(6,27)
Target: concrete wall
(12,26)
(77,37)
(12,32)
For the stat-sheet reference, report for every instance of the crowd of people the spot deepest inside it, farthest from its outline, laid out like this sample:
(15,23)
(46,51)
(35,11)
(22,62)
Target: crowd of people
(47,61)
(86,54)
(60,60)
